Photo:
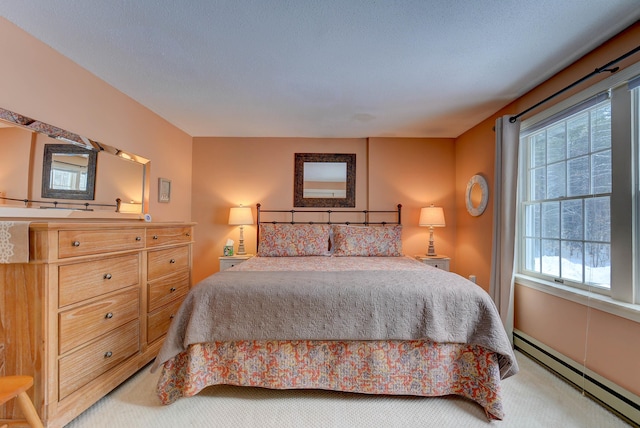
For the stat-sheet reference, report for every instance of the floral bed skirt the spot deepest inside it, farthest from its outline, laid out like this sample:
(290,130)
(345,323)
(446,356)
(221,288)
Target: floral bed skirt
(415,367)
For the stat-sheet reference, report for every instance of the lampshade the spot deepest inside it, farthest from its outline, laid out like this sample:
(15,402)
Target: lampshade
(240,216)
(128,207)
(432,216)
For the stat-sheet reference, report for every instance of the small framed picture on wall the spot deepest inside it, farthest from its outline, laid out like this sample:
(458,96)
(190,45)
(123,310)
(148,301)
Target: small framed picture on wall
(164,190)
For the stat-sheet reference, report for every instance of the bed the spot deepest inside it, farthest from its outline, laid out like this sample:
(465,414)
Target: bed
(334,304)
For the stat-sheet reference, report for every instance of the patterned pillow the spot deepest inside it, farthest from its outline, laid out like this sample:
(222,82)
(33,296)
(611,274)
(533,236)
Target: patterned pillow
(377,241)
(290,240)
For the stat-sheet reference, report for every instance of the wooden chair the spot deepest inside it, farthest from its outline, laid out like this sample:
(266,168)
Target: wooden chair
(16,387)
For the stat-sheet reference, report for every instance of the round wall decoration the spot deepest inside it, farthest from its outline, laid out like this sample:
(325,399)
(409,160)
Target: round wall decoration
(477,195)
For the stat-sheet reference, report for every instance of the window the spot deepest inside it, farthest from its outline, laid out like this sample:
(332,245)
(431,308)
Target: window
(577,178)
(567,197)
(68,179)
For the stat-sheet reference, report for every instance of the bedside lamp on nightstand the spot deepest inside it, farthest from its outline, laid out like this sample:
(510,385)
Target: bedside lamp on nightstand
(432,217)
(240,216)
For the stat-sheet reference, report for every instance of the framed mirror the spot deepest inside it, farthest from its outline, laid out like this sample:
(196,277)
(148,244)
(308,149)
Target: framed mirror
(122,174)
(324,180)
(69,172)
(477,195)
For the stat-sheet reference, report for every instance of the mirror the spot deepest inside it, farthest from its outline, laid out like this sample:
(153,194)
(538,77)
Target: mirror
(477,195)
(68,172)
(324,180)
(37,147)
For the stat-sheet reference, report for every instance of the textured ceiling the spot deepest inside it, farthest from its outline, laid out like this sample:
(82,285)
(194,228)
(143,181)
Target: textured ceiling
(323,68)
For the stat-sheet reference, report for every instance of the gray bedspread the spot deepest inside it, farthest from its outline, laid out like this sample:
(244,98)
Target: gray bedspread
(347,305)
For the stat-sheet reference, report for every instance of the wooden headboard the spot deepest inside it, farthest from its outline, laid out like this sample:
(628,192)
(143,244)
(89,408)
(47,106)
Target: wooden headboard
(364,217)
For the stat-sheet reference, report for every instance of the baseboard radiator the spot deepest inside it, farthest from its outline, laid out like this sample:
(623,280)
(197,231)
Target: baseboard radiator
(622,402)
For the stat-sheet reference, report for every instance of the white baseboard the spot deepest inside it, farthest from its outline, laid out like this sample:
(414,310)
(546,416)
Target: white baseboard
(618,399)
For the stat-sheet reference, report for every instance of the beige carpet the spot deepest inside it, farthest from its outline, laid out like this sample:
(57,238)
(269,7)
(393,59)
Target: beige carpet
(533,398)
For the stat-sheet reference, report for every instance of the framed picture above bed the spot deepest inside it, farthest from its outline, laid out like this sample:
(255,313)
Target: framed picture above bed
(324,180)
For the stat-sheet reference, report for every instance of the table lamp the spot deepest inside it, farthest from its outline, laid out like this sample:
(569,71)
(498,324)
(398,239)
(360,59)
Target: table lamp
(240,216)
(432,217)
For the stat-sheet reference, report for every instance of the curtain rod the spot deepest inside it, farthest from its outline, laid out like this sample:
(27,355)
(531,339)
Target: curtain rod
(55,204)
(577,82)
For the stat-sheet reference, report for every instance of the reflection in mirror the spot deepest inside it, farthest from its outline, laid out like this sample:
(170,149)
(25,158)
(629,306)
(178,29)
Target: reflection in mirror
(68,172)
(324,180)
(121,175)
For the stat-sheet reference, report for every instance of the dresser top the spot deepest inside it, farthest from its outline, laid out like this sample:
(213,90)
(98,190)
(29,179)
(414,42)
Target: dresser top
(120,224)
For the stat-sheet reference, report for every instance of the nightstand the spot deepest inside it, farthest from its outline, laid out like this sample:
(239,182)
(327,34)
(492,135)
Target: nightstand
(227,262)
(440,262)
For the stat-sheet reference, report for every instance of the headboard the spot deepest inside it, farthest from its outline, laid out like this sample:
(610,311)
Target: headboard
(364,217)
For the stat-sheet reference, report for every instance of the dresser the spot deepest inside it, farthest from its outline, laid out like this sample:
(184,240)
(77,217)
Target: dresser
(90,308)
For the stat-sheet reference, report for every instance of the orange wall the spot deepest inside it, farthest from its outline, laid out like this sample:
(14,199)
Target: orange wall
(607,344)
(612,341)
(38,82)
(232,171)
(14,176)
(415,172)
(475,154)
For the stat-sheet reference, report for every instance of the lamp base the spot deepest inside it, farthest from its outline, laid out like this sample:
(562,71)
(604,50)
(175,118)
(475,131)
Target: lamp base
(241,250)
(431,251)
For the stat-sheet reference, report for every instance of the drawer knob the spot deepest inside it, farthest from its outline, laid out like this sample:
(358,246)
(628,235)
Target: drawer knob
(172,316)
(172,261)
(188,234)
(172,289)
(155,236)
(108,354)
(109,315)
(107,276)
(76,243)
(138,238)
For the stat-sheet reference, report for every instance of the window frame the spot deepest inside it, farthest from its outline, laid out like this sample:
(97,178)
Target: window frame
(623,296)
(529,196)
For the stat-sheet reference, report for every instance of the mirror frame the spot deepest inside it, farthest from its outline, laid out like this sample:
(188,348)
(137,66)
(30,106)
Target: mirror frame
(49,151)
(298,183)
(477,180)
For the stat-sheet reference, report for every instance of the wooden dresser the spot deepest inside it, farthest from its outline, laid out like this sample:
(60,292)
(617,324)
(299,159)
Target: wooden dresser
(90,308)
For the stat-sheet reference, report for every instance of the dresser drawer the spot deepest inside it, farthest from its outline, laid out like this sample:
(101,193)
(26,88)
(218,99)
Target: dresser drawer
(86,322)
(158,322)
(164,262)
(167,289)
(84,280)
(86,364)
(73,243)
(168,236)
